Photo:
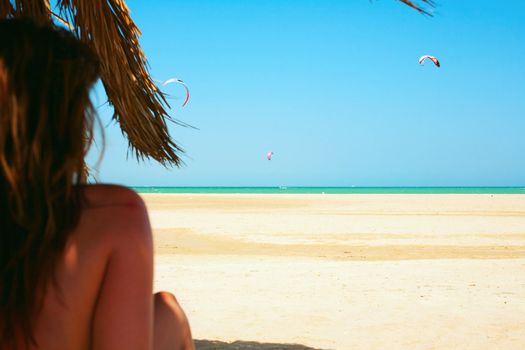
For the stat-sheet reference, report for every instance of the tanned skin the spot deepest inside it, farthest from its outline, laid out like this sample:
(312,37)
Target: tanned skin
(104,298)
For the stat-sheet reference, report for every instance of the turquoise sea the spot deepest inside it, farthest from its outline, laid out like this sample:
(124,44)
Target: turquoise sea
(334,190)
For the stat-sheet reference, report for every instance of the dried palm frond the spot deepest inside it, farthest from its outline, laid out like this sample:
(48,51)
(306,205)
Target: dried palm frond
(419,8)
(38,9)
(6,9)
(139,106)
(106,26)
(62,21)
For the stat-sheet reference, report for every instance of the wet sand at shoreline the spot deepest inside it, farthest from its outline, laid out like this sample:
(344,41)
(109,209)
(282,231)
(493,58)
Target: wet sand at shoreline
(345,271)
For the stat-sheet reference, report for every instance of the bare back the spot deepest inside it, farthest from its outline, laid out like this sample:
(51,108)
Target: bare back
(105,278)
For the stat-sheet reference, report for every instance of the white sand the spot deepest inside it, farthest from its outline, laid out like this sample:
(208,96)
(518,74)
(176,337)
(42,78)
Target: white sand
(346,271)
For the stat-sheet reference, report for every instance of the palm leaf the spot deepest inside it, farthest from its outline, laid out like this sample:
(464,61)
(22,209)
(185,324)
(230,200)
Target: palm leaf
(414,5)
(6,9)
(139,106)
(37,9)
(106,26)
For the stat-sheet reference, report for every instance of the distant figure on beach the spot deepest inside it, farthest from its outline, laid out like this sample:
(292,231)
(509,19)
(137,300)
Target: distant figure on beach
(76,260)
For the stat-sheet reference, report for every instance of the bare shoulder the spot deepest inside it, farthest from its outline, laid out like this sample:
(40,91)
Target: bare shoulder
(114,211)
(105,195)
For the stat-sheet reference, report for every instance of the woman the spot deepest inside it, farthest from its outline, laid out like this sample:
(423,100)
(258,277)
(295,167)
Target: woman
(76,260)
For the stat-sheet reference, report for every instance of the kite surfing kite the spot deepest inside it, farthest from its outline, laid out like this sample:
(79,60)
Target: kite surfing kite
(432,58)
(269,155)
(175,80)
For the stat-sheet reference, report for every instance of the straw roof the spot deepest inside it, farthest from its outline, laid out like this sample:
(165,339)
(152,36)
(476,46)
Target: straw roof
(106,26)
(139,106)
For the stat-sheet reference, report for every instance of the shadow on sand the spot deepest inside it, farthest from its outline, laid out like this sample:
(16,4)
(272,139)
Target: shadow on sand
(246,345)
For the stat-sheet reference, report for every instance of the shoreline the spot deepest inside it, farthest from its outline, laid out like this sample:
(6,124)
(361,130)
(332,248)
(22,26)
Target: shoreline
(331,190)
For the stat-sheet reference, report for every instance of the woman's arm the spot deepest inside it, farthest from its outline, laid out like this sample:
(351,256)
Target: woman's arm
(123,315)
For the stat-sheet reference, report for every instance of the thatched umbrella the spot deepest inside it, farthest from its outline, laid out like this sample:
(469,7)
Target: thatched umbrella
(139,107)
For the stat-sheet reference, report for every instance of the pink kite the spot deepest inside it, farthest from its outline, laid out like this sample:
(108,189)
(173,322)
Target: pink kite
(432,58)
(269,155)
(175,80)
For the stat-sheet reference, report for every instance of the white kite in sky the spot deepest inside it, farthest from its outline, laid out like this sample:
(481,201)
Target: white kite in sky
(175,80)
(432,58)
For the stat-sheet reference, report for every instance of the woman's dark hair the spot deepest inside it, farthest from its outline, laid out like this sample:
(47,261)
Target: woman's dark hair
(46,128)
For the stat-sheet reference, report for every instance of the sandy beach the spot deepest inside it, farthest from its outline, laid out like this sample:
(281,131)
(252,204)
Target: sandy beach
(344,271)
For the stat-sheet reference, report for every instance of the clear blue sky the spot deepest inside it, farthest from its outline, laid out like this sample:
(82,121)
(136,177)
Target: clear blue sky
(335,90)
